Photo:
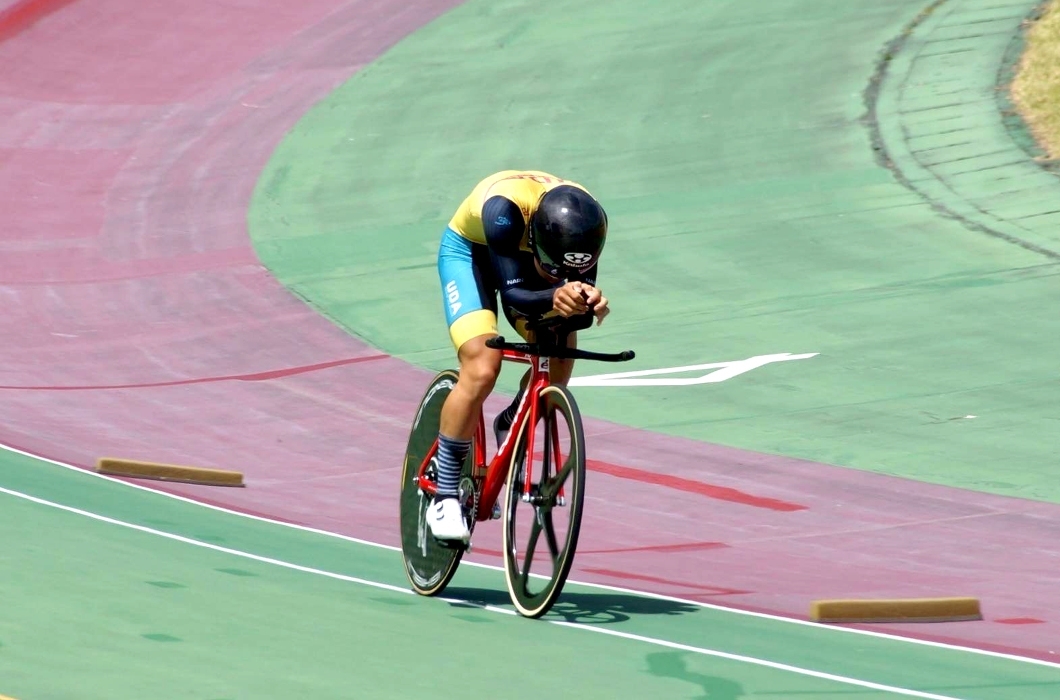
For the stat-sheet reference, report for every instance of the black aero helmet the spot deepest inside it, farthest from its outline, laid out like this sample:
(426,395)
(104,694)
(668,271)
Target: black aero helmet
(568,230)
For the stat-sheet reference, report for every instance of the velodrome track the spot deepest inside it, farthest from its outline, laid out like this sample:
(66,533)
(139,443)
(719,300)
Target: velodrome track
(147,327)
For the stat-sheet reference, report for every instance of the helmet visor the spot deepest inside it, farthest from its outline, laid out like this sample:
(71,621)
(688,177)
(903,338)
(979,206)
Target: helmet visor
(550,268)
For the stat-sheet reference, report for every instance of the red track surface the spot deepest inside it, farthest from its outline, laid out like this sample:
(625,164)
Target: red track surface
(140,324)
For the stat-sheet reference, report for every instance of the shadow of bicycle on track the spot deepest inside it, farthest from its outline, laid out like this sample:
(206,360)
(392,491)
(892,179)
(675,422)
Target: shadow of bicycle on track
(584,608)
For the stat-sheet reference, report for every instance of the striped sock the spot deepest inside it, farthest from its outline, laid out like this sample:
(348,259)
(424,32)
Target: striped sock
(450,457)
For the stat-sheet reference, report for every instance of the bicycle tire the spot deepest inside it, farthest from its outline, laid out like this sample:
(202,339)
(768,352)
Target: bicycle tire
(429,564)
(557,405)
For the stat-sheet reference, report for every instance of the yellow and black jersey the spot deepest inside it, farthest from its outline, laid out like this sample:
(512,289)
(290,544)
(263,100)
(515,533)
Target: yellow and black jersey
(524,188)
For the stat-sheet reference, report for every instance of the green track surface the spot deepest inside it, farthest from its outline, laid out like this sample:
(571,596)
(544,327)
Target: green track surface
(752,213)
(119,613)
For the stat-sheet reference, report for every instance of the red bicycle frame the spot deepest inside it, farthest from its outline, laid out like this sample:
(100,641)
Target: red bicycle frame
(493,475)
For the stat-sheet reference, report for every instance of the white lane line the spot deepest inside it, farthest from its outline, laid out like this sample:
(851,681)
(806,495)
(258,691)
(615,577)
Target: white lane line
(204,545)
(598,586)
(757,662)
(491,608)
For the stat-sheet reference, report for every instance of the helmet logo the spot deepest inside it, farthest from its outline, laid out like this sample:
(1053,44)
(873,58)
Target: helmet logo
(578,259)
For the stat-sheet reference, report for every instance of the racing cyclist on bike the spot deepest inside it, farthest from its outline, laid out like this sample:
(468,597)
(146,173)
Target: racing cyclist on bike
(536,239)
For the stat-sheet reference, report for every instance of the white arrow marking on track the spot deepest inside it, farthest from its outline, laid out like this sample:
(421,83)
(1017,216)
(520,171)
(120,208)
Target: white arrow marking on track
(722,371)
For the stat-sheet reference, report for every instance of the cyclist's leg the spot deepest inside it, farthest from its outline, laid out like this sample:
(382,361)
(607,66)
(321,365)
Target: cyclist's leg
(502,422)
(479,368)
(559,371)
(469,307)
(469,294)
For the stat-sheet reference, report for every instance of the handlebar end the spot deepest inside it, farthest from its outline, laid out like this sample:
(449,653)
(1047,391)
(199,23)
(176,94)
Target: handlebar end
(627,355)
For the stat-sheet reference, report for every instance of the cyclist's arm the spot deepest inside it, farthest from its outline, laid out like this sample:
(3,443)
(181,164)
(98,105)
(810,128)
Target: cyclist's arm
(502,222)
(589,276)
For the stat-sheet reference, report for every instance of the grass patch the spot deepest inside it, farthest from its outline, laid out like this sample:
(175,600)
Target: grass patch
(1036,88)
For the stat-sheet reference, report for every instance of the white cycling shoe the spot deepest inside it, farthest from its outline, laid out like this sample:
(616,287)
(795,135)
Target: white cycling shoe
(446,520)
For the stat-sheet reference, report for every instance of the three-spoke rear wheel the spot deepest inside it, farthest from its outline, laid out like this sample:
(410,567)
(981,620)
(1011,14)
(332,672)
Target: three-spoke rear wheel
(429,564)
(542,513)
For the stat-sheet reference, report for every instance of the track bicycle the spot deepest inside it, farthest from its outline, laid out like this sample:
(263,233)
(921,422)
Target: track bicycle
(540,466)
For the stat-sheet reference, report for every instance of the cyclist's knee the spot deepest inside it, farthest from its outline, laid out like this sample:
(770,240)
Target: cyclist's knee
(482,371)
(479,366)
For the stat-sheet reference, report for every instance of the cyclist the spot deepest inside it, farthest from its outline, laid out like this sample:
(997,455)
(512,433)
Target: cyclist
(536,239)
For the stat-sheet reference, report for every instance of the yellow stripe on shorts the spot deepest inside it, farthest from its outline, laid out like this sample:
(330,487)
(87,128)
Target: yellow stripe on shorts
(471,325)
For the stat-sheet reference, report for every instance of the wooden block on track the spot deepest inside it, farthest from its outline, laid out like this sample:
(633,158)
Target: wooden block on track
(139,469)
(897,610)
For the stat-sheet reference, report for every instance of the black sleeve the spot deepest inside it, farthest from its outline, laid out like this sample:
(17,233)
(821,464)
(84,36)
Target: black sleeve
(589,276)
(503,224)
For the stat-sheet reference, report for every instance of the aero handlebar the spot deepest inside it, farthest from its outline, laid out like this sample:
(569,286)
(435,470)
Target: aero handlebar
(557,352)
